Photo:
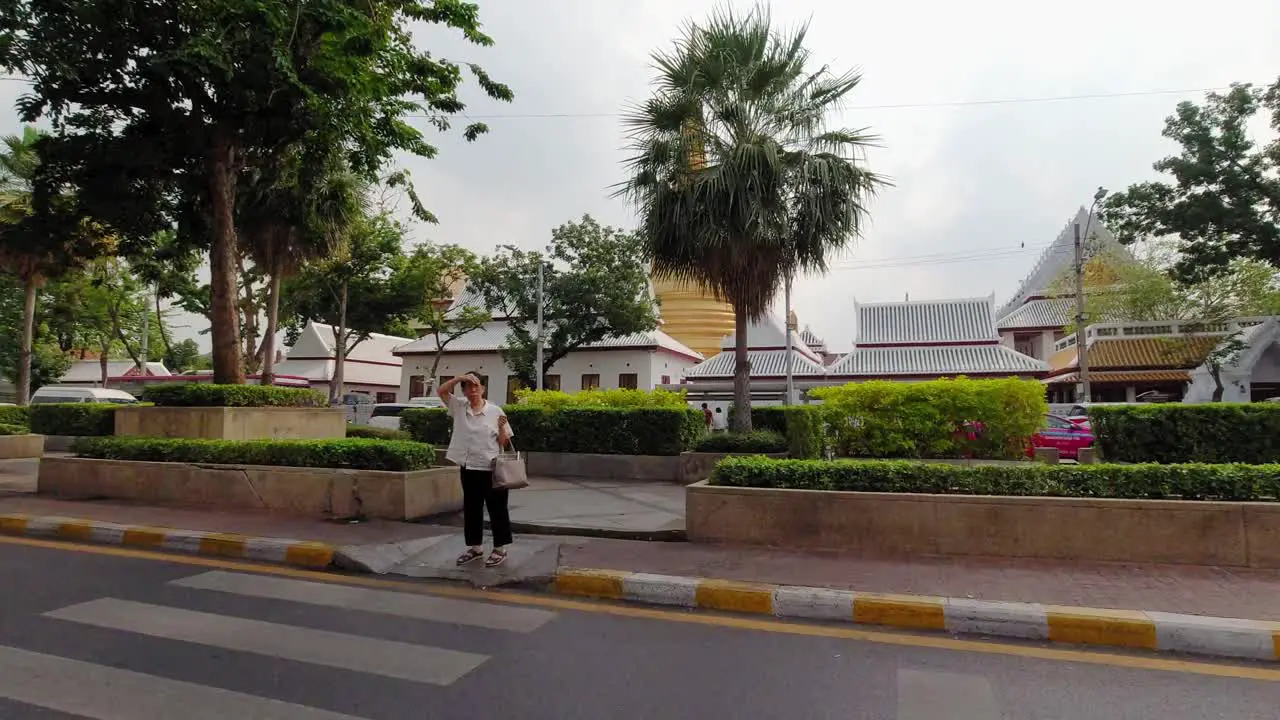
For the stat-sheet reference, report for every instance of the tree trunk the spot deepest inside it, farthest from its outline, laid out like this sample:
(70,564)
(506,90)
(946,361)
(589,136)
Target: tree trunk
(103,360)
(29,288)
(339,349)
(273,322)
(223,318)
(1218,389)
(741,374)
(164,336)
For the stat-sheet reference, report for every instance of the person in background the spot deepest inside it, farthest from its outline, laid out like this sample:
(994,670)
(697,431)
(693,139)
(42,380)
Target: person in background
(719,422)
(706,416)
(480,431)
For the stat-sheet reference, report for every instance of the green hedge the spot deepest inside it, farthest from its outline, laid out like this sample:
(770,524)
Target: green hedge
(616,398)
(883,419)
(8,429)
(801,425)
(83,419)
(360,454)
(608,431)
(376,433)
(210,395)
(1182,433)
(15,415)
(1147,481)
(431,425)
(756,441)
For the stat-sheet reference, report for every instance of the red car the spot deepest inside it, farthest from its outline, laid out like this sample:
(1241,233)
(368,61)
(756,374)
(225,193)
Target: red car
(1059,432)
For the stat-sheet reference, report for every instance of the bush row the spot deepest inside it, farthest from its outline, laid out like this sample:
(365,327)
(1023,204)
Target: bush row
(8,429)
(83,419)
(617,398)
(885,419)
(360,454)
(15,415)
(1145,481)
(1178,433)
(756,441)
(604,430)
(376,433)
(211,395)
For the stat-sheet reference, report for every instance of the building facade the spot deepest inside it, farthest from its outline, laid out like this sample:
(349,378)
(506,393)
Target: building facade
(371,366)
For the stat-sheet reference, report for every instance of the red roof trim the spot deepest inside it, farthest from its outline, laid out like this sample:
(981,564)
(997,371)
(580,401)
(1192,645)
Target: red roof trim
(965,343)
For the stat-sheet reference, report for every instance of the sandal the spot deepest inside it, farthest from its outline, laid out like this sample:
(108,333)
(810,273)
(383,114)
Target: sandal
(496,558)
(469,555)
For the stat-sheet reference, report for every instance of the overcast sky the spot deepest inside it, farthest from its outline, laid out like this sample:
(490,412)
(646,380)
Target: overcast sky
(968,178)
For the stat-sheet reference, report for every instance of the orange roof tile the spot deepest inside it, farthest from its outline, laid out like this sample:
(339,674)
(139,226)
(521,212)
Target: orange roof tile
(1168,352)
(1124,376)
(1062,359)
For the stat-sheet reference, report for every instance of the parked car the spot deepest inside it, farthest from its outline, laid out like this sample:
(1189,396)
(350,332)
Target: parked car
(387,415)
(76,394)
(1061,433)
(1079,412)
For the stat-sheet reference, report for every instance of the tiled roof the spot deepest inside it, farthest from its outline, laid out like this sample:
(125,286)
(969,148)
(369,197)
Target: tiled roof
(1063,358)
(1171,352)
(492,336)
(935,360)
(1042,313)
(1128,376)
(764,363)
(1059,257)
(929,321)
(810,338)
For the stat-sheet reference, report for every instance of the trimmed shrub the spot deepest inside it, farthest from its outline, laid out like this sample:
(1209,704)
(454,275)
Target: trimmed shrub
(358,454)
(801,425)
(619,398)
(1179,433)
(935,419)
(756,441)
(15,415)
(608,431)
(7,429)
(1149,481)
(429,425)
(210,395)
(83,419)
(376,433)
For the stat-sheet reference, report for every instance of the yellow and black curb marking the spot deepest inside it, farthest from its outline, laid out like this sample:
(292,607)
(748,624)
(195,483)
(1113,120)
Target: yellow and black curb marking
(1164,632)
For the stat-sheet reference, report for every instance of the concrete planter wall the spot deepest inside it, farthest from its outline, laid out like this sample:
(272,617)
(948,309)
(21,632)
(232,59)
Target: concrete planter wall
(1234,534)
(13,447)
(697,466)
(295,491)
(232,423)
(654,468)
(59,443)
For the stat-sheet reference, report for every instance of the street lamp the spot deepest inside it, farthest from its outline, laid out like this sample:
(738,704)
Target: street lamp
(1082,349)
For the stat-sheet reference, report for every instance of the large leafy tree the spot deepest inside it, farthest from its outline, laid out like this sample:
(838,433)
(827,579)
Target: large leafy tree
(431,275)
(359,291)
(157,106)
(1221,198)
(49,361)
(36,246)
(739,181)
(595,286)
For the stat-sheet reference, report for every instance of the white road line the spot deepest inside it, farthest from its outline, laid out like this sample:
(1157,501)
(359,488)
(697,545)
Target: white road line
(407,605)
(418,663)
(105,693)
(926,695)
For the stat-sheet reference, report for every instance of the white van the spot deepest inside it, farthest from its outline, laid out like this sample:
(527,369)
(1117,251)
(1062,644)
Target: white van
(76,394)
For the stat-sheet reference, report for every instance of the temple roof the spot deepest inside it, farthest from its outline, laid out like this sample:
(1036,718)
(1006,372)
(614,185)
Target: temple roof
(764,363)
(1060,256)
(935,361)
(926,321)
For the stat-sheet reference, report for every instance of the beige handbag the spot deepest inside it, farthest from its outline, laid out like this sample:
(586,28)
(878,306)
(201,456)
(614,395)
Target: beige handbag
(509,471)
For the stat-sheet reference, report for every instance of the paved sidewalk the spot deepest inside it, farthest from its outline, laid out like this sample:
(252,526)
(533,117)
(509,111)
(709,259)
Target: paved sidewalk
(1221,592)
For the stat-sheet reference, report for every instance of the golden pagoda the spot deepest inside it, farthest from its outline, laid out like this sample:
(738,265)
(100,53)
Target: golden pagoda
(692,316)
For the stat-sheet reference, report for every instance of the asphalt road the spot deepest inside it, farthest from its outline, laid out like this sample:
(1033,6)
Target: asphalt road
(93,633)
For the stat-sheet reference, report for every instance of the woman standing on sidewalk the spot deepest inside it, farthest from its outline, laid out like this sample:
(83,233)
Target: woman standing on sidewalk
(480,431)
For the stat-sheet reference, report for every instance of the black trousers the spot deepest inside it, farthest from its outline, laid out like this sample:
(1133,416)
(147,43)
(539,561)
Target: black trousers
(477,494)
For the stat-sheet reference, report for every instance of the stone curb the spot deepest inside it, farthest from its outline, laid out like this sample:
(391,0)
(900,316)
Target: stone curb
(1156,631)
(295,553)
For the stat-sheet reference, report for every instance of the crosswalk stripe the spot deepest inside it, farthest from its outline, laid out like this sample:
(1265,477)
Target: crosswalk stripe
(927,695)
(105,693)
(418,607)
(418,663)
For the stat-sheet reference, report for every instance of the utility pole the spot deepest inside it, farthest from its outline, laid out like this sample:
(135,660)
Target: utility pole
(145,341)
(538,361)
(787,324)
(1082,349)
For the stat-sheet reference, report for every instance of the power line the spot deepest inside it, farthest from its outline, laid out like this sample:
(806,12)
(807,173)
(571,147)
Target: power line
(888,106)
(945,258)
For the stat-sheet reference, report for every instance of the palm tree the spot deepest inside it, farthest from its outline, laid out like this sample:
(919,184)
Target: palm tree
(738,180)
(297,209)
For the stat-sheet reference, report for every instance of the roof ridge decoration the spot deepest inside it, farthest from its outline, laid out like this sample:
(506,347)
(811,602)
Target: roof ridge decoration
(1059,256)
